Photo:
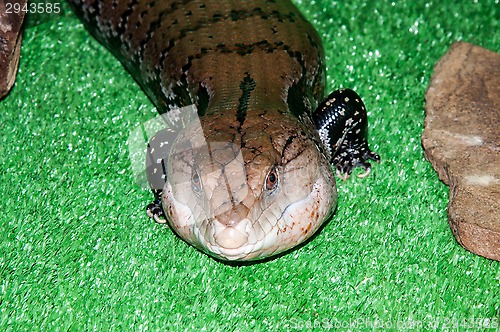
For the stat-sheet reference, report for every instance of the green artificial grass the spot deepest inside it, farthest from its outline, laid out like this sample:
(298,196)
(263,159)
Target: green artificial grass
(77,251)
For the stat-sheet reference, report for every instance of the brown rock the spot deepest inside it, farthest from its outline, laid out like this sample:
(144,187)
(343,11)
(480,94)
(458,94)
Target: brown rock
(462,141)
(11,20)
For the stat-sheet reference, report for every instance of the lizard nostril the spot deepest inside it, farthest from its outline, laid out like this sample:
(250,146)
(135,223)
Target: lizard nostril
(233,216)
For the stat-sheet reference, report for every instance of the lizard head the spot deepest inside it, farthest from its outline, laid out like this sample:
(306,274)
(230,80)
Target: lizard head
(247,192)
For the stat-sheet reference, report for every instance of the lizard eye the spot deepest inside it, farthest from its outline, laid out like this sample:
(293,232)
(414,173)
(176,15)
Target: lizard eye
(196,182)
(272,179)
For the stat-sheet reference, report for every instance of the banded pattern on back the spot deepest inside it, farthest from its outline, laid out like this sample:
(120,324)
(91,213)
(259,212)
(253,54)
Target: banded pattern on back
(191,51)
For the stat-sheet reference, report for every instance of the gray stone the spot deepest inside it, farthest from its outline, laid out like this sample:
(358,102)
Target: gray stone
(462,141)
